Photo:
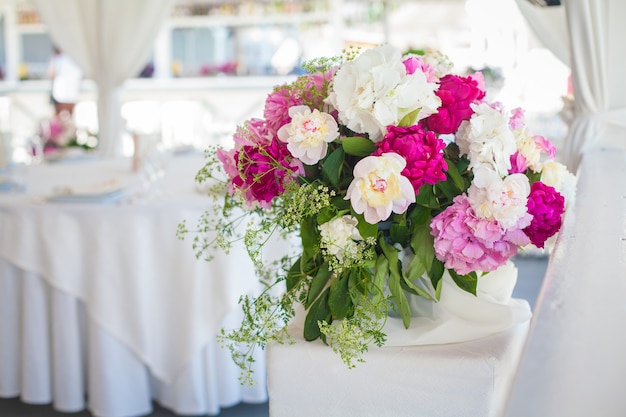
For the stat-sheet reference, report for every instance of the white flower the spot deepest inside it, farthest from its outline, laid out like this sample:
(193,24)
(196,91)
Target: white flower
(556,175)
(339,236)
(378,187)
(487,139)
(374,91)
(502,200)
(308,134)
(527,147)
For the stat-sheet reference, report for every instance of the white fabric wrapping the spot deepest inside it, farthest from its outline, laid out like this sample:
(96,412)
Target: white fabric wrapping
(460,316)
(110,40)
(149,307)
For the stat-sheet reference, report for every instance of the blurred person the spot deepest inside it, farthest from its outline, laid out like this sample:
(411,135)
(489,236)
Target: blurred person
(66,77)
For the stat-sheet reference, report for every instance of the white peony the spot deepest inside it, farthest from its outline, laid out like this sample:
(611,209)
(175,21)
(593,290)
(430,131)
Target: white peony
(308,134)
(502,200)
(339,236)
(379,188)
(374,91)
(556,175)
(528,148)
(487,139)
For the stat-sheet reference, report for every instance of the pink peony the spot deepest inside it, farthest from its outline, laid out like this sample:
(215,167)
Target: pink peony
(547,207)
(253,132)
(466,243)
(277,104)
(263,172)
(421,150)
(456,94)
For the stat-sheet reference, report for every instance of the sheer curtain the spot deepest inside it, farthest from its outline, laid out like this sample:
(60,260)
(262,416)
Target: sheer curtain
(588,36)
(597,31)
(111,40)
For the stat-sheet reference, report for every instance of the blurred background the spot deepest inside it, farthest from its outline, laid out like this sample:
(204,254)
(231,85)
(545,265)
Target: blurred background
(214,61)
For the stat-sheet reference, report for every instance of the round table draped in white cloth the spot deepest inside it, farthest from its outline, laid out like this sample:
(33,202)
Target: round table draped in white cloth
(141,290)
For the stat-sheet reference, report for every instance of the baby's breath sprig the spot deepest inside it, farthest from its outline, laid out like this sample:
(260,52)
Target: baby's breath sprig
(265,320)
(301,201)
(350,337)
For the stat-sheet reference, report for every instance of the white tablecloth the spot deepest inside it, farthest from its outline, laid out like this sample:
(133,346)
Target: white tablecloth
(104,298)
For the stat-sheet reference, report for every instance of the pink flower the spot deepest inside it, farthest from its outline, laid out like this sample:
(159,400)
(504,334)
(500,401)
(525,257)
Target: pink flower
(310,89)
(414,63)
(547,207)
(518,163)
(253,132)
(456,94)
(264,171)
(379,188)
(516,121)
(545,145)
(421,150)
(277,104)
(466,243)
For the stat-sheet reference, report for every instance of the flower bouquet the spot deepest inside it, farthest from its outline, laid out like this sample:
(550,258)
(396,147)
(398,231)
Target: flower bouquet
(392,171)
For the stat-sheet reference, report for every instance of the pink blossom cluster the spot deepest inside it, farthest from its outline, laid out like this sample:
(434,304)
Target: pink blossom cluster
(466,243)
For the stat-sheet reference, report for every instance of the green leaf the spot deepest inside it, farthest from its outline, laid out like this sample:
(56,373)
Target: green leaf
(419,215)
(416,269)
(448,188)
(409,119)
(456,177)
(339,299)
(436,273)
(381,270)
(438,289)
(294,275)
(426,197)
(332,166)
(365,229)
(309,233)
(318,283)
(399,233)
(422,244)
(358,146)
(417,290)
(465,282)
(395,277)
(319,311)
(360,280)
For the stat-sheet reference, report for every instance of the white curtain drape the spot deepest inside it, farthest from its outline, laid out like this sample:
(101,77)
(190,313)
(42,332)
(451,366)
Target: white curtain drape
(110,40)
(598,62)
(550,26)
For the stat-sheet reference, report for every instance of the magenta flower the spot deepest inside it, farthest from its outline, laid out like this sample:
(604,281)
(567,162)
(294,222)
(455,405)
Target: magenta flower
(465,243)
(422,151)
(456,94)
(547,207)
(264,171)
(518,163)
